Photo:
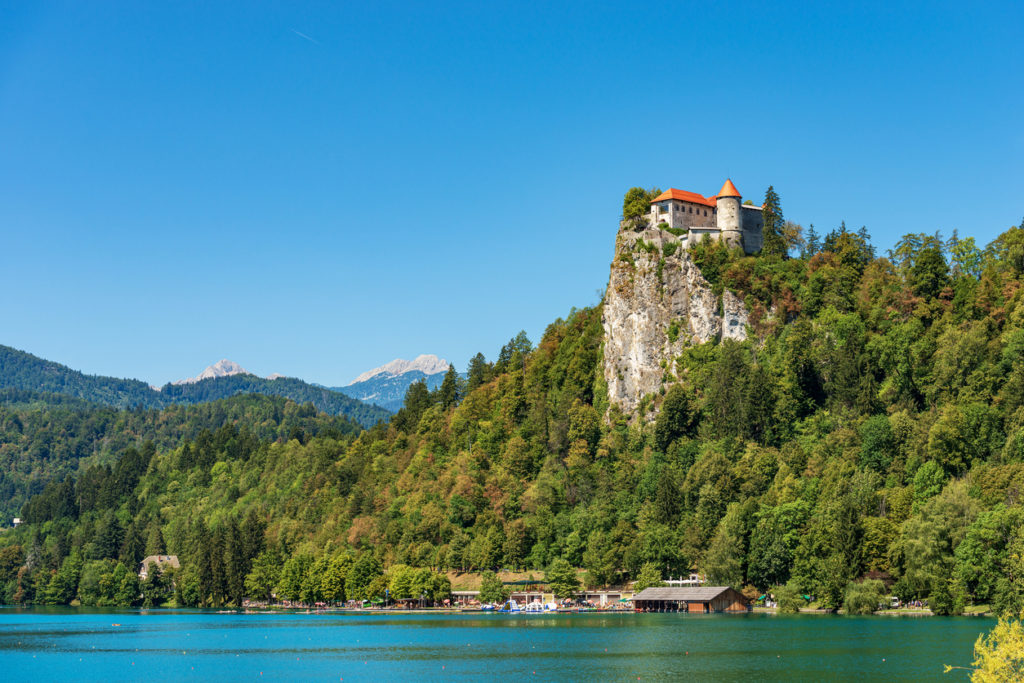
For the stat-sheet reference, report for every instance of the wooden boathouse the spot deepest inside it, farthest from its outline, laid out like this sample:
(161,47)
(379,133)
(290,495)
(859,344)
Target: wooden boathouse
(702,599)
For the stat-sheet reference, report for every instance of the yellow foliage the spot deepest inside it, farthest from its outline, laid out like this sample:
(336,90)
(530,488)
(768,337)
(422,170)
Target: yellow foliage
(999,655)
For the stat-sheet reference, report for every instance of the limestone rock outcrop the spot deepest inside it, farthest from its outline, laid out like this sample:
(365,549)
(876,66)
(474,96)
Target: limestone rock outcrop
(657,304)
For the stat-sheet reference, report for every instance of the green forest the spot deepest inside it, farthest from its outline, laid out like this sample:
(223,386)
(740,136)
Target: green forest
(870,428)
(46,437)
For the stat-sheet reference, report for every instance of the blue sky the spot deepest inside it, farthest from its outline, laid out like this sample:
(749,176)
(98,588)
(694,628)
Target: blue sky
(317,190)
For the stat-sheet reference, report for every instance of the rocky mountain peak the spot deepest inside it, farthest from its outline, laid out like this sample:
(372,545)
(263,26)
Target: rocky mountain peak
(428,364)
(222,368)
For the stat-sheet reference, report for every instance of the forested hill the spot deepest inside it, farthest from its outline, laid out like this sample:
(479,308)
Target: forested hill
(325,400)
(23,371)
(47,437)
(871,425)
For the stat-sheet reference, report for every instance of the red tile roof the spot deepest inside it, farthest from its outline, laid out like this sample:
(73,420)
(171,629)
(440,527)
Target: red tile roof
(684,196)
(729,190)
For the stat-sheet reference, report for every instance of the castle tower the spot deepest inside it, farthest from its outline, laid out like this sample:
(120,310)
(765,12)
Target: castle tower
(728,212)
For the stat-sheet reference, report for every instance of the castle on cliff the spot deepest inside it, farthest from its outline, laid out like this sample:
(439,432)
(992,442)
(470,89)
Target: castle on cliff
(722,216)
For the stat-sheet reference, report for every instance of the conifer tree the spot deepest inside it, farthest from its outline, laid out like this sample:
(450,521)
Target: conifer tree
(202,556)
(478,372)
(154,541)
(675,418)
(449,393)
(235,563)
(252,535)
(133,546)
(417,399)
(773,244)
(813,244)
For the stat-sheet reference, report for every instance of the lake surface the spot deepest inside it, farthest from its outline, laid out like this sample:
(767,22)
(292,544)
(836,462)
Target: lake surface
(169,645)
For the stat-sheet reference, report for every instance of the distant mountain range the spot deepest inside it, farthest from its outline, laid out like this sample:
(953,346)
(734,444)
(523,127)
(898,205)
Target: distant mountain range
(386,386)
(428,364)
(21,370)
(388,391)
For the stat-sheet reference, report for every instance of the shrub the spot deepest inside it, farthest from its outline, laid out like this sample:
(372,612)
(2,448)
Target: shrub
(864,597)
(789,598)
(649,247)
(673,331)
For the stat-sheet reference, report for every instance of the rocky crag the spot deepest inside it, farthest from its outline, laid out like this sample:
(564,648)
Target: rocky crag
(657,304)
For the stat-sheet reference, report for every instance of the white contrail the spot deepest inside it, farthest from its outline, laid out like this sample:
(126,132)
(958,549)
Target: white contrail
(302,35)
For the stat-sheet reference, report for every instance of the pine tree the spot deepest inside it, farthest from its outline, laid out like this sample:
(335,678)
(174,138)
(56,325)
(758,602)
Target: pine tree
(202,556)
(109,537)
(865,236)
(133,546)
(773,244)
(675,418)
(813,244)
(449,394)
(235,563)
(417,399)
(155,541)
(252,536)
(478,372)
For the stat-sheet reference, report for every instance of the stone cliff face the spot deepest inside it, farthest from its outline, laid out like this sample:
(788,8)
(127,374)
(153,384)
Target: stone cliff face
(657,304)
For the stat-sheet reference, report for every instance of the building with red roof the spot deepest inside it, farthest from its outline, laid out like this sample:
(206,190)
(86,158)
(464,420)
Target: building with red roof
(694,216)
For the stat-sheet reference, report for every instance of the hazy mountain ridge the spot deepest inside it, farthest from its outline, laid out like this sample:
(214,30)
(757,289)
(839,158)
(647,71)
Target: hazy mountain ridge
(24,371)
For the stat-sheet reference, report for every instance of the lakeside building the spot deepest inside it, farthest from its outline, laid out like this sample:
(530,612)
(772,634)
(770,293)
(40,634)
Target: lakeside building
(692,580)
(163,562)
(701,600)
(720,217)
(600,598)
(465,598)
(603,598)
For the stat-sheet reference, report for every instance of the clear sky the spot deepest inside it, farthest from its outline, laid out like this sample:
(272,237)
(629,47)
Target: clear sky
(317,190)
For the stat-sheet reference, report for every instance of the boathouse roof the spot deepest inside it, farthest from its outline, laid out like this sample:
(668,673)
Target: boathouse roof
(687,594)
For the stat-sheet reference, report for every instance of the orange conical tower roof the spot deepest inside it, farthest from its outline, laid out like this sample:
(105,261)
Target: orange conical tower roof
(729,190)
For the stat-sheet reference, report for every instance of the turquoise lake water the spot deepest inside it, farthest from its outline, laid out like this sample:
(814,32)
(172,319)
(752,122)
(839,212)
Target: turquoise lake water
(163,645)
